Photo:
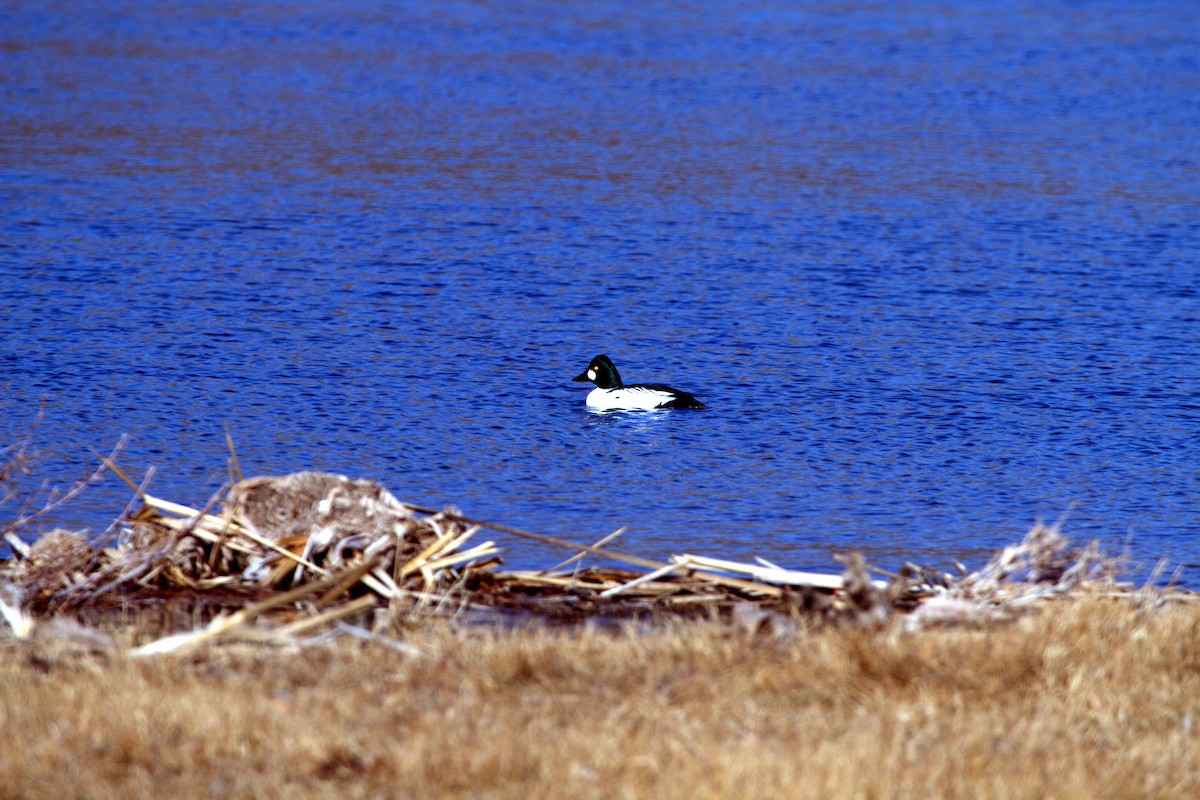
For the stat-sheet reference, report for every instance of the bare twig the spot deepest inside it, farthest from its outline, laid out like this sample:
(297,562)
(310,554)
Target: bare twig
(580,556)
(139,491)
(53,502)
(235,466)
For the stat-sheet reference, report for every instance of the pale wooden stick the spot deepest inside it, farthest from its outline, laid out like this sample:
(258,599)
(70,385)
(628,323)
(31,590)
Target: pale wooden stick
(726,580)
(381,583)
(589,551)
(457,543)
(485,549)
(19,547)
(692,599)
(345,610)
(649,576)
(220,580)
(773,574)
(178,509)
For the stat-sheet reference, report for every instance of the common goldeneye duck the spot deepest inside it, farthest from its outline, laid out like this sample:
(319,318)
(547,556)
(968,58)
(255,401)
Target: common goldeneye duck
(612,395)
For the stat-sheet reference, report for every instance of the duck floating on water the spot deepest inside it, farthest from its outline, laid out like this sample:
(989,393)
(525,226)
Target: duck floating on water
(611,394)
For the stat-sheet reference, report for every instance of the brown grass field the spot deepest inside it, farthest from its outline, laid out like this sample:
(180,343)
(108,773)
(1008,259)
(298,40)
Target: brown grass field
(1089,697)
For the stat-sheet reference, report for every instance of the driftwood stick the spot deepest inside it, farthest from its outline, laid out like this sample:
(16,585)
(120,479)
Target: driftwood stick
(180,510)
(194,521)
(204,534)
(381,583)
(19,547)
(753,587)
(537,578)
(448,551)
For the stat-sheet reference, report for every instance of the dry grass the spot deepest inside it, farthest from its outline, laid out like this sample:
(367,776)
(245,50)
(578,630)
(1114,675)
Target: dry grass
(1088,697)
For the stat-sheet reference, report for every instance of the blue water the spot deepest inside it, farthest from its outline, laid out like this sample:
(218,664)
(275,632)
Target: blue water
(933,266)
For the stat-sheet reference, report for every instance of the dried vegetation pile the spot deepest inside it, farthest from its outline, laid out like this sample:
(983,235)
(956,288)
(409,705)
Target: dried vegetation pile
(296,555)
(752,681)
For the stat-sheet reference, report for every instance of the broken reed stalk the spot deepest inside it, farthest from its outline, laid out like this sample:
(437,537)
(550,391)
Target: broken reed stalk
(19,547)
(111,463)
(195,518)
(479,551)
(202,532)
(415,564)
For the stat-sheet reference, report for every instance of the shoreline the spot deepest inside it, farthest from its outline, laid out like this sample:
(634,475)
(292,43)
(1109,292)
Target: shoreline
(312,635)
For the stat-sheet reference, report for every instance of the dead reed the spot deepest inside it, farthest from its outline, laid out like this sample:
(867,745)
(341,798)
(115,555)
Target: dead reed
(292,555)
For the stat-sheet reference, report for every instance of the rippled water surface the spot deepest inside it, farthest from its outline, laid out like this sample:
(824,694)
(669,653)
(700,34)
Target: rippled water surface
(933,266)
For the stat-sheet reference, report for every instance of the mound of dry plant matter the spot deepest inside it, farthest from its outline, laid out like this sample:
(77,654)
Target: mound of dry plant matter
(292,556)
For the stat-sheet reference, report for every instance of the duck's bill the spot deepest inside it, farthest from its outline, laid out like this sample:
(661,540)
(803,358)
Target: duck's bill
(582,377)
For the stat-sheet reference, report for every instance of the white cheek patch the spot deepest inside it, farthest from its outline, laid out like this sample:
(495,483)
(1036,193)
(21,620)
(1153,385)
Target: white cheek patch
(591,374)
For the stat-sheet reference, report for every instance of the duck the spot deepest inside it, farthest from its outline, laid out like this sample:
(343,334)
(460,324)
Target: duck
(611,394)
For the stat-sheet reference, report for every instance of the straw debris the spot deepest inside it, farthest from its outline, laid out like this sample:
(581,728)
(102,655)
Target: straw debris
(282,558)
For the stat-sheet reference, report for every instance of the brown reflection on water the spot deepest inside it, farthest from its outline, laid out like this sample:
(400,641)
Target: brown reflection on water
(677,102)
